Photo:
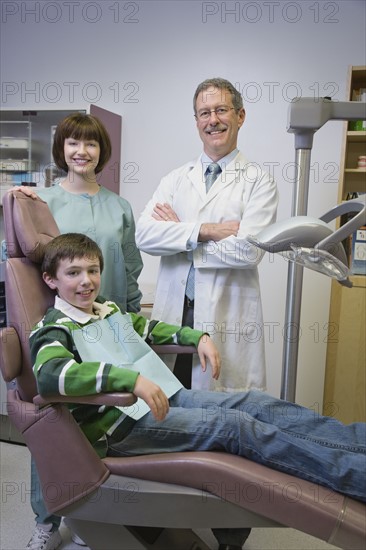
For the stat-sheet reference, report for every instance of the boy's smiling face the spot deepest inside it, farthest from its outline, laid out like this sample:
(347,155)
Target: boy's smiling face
(77,282)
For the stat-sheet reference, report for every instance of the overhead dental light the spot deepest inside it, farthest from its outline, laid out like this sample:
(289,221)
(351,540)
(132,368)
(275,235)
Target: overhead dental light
(311,243)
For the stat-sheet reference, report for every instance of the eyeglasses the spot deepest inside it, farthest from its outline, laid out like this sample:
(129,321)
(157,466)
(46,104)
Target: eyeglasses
(220,112)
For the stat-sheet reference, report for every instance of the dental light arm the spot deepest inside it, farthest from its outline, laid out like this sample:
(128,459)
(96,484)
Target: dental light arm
(306,115)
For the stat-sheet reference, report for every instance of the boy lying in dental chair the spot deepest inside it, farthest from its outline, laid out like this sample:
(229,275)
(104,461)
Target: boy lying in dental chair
(86,345)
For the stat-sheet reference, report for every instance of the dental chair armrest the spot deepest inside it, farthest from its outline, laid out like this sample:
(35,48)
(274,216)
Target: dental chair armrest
(172,348)
(113,399)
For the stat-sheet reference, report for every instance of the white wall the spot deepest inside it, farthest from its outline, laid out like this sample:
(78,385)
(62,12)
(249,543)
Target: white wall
(144,59)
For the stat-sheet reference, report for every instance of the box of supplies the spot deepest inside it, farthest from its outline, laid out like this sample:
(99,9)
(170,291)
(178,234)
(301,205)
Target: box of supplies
(358,252)
(13,143)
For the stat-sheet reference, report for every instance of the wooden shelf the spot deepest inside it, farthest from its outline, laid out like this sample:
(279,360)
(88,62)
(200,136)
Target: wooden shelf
(345,373)
(359,136)
(358,281)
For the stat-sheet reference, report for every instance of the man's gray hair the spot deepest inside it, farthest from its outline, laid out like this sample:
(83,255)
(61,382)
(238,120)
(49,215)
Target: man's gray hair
(220,84)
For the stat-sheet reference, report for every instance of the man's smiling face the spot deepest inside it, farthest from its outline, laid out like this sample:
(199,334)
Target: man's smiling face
(219,133)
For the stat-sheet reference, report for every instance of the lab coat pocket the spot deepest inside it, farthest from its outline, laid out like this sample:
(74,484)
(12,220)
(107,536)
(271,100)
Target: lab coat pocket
(238,311)
(163,306)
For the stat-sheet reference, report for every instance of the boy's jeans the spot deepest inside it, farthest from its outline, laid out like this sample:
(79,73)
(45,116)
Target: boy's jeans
(278,434)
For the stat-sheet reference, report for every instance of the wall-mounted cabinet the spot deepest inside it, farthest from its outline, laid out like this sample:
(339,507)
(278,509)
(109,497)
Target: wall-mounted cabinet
(15,150)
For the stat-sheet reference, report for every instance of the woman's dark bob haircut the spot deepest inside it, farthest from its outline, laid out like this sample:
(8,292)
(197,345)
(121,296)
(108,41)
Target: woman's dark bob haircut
(81,126)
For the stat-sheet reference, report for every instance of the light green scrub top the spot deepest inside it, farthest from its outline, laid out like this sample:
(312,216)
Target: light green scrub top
(106,218)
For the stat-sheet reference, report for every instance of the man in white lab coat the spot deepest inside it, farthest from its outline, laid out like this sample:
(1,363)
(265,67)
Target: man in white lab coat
(199,229)
(188,225)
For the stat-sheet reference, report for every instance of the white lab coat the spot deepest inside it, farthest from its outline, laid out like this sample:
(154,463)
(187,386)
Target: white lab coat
(227,295)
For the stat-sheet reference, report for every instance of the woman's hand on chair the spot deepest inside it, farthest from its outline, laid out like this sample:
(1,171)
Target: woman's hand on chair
(28,191)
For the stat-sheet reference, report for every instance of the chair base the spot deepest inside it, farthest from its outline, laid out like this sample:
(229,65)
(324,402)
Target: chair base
(98,535)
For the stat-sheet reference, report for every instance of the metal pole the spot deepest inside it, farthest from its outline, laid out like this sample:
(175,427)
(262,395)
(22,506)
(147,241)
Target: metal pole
(294,283)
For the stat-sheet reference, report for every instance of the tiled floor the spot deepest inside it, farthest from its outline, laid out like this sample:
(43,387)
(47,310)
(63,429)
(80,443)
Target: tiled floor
(17,521)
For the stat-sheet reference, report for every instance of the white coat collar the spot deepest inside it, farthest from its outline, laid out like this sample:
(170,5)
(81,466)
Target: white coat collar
(235,169)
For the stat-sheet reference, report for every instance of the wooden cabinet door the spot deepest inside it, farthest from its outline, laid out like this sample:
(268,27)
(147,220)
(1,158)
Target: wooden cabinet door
(110,175)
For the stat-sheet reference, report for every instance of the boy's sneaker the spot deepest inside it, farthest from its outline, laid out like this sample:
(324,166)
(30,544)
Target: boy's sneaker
(75,538)
(44,538)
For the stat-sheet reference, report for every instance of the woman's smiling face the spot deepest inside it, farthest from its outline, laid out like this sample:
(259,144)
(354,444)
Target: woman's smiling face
(81,156)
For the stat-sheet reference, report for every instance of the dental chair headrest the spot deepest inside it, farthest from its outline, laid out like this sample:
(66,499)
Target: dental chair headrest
(32,227)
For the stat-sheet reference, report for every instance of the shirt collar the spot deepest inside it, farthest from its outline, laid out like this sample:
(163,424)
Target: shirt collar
(223,163)
(100,311)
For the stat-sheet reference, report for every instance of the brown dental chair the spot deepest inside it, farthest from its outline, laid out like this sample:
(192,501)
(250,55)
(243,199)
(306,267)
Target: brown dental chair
(143,502)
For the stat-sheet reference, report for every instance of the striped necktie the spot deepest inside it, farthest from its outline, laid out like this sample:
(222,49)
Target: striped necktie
(213,170)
